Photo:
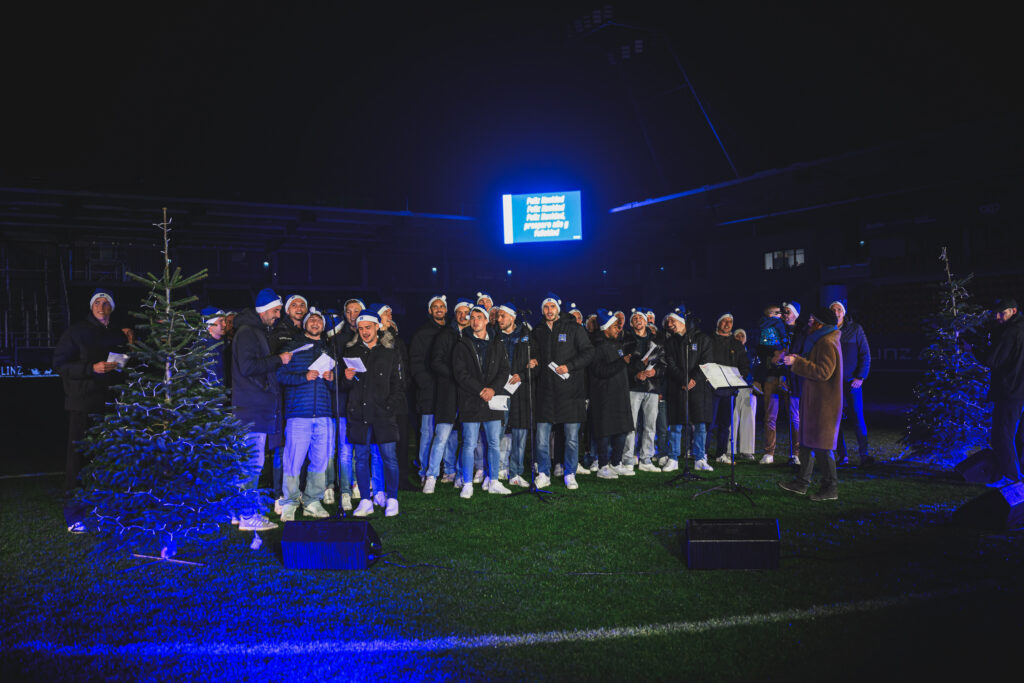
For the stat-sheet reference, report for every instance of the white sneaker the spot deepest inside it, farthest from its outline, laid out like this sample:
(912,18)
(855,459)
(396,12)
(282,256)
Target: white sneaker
(391,510)
(448,478)
(380,498)
(478,476)
(487,483)
(315,509)
(364,509)
(607,472)
(557,472)
(428,485)
(278,506)
(662,461)
(580,469)
(256,523)
(329,495)
(623,470)
(497,487)
(467,491)
(355,491)
(648,467)
(766,459)
(77,528)
(570,482)
(542,480)
(288,514)
(724,459)
(518,481)
(670,466)
(594,466)
(703,466)
(458,481)
(502,475)
(794,461)
(346,502)
(748,457)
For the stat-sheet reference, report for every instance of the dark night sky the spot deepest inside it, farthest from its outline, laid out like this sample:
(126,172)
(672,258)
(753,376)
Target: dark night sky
(323,103)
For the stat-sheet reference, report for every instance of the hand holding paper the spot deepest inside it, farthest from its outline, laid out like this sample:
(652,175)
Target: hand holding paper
(322,364)
(554,368)
(355,363)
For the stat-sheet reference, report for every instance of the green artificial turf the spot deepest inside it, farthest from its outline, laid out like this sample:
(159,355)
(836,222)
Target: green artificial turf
(608,555)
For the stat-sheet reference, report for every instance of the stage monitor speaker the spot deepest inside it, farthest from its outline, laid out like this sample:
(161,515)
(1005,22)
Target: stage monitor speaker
(995,509)
(329,544)
(732,543)
(979,468)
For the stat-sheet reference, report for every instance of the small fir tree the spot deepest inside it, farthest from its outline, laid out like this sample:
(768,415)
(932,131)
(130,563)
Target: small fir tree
(168,460)
(950,417)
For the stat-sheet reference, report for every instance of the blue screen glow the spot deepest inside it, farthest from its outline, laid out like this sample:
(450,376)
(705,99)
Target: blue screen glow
(542,217)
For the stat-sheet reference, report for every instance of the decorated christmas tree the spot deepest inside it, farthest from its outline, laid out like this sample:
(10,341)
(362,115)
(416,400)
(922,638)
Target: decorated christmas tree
(168,460)
(950,417)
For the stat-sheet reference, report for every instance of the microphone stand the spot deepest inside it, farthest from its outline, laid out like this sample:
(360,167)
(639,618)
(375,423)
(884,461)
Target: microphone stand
(337,405)
(685,474)
(533,490)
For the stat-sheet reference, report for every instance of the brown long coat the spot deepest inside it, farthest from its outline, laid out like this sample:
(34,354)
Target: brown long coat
(821,404)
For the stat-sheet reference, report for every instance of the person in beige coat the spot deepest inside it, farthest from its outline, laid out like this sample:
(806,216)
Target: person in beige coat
(821,405)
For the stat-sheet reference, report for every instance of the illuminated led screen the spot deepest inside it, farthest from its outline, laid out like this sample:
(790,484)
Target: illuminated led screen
(542,217)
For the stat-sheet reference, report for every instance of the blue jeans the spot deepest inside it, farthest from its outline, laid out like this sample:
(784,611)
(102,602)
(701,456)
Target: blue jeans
(312,437)
(343,458)
(853,399)
(515,455)
(610,449)
(256,444)
(698,434)
(426,435)
(471,433)
(362,456)
(572,435)
(442,448)
(377,470)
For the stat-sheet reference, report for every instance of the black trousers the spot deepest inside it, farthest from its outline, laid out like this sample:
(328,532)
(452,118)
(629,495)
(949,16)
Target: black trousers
(609,449)
(1008,437)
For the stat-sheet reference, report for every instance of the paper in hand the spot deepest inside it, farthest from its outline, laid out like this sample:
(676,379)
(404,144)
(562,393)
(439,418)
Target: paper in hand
(120,358)
(499,402)
(511,388)
(554,368)
(301,348)
(650,350)
(322,364)
(355,363)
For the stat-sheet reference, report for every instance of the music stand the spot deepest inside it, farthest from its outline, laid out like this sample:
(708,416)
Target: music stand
(727,379)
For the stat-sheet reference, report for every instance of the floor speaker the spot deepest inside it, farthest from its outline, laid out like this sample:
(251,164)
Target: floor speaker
(995,509)
(732,543)
(979,468)
(329,544)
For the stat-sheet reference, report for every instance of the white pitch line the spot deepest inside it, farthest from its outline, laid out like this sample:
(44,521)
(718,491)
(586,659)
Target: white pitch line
(383,646)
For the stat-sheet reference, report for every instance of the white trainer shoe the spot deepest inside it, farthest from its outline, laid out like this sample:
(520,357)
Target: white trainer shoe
(458,481)
(502,475)
(478,476)
(542,480)
(518,481)
(557,472)
(570,482)
(467,491)
(607,472)
(288,513)
(329,495)
(724,459)
(391,509)
(487,483)
(364,509)
(703,466)
(662,461)
(355,491)
(670,466)
(380,499)
(278,506)
(766,459)
(580,469)
(315,509)
(648,467)
(346,502)
(429,484)
(497,487)
(256,523)
(594,466)
(623,470)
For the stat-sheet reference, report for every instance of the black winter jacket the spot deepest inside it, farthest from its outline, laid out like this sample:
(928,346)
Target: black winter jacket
(82,345)
(700,397)
(255,393)
(516,350)
(636,347)
(375,397)
(561,401)
(1006,359)
(471,378)
(446,404)
(609,390)
(856,352)
(419,365)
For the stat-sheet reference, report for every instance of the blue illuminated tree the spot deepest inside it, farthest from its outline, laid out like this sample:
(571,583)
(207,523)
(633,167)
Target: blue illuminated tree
(168,460)
(950,417)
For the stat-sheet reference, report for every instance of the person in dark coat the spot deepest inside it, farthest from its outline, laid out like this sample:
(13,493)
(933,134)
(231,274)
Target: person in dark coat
(856,366)
(255,393)
(309,424)
(685,350)
(374,397)
(516,340)
(389,332)
(562,351)
(725,350)
(480,367)
(423,378)
(446,407)
(80,359)
(1006,390)
(820,364)
(612,418)
(288,328)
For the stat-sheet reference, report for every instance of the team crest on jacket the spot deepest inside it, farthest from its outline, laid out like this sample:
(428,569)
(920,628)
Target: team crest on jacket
(561,337)
(620,353)
(693,347)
